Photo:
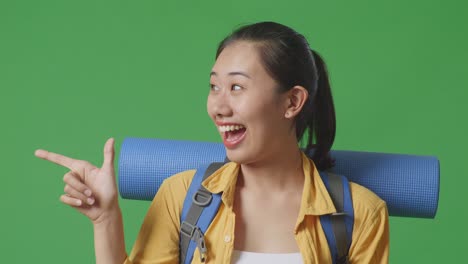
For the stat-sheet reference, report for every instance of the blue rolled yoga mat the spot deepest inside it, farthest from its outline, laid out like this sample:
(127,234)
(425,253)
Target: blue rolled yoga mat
(409,184)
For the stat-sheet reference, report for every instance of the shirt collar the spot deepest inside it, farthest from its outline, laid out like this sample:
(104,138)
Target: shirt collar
(315,197)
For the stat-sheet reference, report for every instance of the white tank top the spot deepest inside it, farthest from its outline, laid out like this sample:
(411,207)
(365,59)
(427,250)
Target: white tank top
(244,257)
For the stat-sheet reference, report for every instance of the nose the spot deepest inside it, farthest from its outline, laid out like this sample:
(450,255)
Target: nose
(219,105)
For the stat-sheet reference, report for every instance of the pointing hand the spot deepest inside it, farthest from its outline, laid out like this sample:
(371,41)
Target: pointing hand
(89,189)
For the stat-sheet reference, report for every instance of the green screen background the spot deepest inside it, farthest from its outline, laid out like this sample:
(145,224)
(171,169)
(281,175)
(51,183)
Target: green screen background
(73,73)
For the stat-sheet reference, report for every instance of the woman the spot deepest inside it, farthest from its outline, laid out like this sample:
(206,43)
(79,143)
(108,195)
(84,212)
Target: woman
(268,90)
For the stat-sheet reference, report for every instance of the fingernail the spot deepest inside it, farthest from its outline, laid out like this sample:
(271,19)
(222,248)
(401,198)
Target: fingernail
(90,201)
(88,192)
(78,202)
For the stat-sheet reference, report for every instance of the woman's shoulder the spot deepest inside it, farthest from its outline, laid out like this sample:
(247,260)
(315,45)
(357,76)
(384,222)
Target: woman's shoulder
(364,199)
(369,209)
(179,181)
(371,228)
(173,190)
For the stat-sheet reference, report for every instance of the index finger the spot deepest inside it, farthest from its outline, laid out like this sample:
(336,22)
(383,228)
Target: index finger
(55,158)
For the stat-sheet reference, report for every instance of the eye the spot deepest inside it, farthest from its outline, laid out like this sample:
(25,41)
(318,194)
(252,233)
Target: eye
(214,87)
(236,87)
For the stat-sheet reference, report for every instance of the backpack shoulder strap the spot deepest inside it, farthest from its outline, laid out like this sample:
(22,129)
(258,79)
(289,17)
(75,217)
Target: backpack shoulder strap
(338,227)
(199,209)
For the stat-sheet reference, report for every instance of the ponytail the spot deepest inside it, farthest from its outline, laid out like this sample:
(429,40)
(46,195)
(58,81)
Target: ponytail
(321,121)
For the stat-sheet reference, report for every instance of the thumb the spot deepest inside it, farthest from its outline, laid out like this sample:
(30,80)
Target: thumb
(109,154)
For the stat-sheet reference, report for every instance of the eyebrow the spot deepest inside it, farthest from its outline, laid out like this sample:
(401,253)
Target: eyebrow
(233,73)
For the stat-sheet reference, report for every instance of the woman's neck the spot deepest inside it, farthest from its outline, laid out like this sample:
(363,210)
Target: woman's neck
(280,172)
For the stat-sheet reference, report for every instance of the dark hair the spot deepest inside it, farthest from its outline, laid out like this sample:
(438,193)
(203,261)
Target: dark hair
(288,59)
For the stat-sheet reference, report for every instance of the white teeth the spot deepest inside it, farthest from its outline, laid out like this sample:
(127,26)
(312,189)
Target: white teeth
(229,128)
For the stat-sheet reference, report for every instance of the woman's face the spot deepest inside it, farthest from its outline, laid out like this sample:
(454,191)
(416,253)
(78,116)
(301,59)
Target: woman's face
(245,105)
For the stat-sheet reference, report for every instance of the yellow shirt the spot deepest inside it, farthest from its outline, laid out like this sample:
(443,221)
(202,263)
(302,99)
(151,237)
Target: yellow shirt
(158,239)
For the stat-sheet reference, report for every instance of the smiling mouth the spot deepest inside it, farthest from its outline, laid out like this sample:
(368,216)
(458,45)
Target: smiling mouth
(232,134)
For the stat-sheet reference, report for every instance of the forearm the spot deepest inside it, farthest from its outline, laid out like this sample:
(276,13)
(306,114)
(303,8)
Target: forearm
(109,242)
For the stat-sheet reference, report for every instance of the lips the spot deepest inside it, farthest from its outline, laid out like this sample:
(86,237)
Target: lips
(232,133)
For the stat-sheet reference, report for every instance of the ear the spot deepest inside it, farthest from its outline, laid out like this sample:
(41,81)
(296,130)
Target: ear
(296,98)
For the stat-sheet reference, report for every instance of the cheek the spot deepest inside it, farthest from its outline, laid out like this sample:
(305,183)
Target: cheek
(260,114)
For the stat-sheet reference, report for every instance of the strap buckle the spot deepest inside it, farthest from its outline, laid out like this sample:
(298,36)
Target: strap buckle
(187,229)
(195,234)
(200,241)
(202,198)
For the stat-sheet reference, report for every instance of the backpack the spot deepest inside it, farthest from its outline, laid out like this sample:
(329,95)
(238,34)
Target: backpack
(200,207)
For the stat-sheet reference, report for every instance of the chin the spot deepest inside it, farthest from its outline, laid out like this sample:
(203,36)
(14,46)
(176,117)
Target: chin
(239,156)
